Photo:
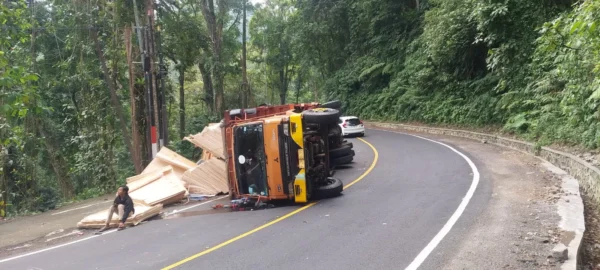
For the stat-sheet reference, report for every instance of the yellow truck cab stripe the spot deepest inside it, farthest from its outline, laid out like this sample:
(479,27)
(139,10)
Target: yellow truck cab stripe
(296,129)
(300,192)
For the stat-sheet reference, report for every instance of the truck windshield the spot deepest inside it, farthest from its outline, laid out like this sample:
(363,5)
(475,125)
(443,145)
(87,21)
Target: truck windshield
(250,159)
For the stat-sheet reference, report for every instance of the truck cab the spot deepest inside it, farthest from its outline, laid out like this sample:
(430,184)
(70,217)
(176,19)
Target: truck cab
(282,152)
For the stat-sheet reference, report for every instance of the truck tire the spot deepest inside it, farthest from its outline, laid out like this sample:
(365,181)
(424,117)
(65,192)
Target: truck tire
(321,116)
(340,152)
(335,104)
(335,131)
(335,137)
(342,160)
(348,144)
(333,188)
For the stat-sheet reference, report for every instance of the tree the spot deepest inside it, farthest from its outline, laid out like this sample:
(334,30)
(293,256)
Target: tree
(184,42)
(271,32)
(113,93)
(18,96)
(215,15)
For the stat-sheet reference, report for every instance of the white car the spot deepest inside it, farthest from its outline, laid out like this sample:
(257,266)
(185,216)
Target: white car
(351,125)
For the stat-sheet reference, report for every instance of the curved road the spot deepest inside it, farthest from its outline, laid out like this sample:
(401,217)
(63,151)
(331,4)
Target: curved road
(384,220)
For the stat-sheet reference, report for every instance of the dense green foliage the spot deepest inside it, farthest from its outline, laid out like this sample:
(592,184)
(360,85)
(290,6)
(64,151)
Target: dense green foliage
(529,66)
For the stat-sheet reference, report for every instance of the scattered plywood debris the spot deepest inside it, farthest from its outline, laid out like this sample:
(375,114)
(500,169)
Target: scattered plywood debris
(143,211)
(210,140)
(167,157)
(157,187)
(208,178)
(170,177)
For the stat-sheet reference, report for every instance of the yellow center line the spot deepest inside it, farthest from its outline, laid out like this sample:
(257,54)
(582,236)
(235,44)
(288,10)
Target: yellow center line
(278,219)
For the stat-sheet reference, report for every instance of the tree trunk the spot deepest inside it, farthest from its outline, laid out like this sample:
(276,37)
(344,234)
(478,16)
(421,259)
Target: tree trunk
(299,86)
(219,86)
(181,103)
(3,181)
(208,85)
(57,161)
(282,89)
(316,89)
(113,94)
(137,151)
(214,24)
(245,87)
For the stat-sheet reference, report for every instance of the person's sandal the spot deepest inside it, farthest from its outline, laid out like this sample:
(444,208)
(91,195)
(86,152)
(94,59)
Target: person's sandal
(103,228)
(120,229)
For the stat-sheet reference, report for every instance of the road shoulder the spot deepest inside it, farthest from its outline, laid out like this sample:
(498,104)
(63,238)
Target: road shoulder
(518,227)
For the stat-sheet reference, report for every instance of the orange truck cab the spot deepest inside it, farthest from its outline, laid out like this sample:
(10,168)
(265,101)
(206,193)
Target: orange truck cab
(285,151)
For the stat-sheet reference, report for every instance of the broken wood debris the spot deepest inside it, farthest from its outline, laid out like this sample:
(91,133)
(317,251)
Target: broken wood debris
(170,178)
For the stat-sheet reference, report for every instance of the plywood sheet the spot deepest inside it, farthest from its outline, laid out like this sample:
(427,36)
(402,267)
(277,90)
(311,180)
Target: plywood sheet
(142,212)
(210,140)
(160,186)
(136,182)
(208,178)
(166,157)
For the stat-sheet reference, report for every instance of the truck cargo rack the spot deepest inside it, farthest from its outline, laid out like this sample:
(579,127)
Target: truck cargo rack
(250,114)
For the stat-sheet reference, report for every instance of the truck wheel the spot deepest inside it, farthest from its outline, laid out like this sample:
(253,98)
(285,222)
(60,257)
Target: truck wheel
(351,153)
(342,160)
(321,116)
(335,131)
(340,152)
(335,137)
(349,144)
(333,188)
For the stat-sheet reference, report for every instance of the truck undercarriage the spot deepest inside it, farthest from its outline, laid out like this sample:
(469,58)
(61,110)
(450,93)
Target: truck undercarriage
(284,152)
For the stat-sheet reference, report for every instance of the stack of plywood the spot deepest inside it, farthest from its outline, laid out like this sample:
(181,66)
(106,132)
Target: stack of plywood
(157,187)
(210,140)
(143,211)
(166,157)
(170,177)
(208,178)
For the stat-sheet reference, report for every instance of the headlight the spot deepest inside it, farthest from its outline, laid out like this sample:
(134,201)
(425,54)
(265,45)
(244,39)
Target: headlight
(286,129)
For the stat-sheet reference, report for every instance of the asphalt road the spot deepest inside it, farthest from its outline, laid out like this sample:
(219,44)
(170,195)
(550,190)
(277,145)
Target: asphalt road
(382,221)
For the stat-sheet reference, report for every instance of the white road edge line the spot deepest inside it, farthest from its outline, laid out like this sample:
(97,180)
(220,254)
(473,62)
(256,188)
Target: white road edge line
(93,236)
(459,211)
(82,207)
(55,247)
(196,205)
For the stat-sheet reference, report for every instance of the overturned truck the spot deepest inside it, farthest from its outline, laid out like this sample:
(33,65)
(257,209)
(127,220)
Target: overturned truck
(284,152)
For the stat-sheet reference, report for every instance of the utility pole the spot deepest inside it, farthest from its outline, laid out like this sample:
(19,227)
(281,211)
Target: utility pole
(150,121)
(151,71)
(143,44)
(162,73)
(156,116)
(160,81)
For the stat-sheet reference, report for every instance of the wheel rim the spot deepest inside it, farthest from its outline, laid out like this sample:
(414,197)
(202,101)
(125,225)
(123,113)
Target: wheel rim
(330,181)
(321,110)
